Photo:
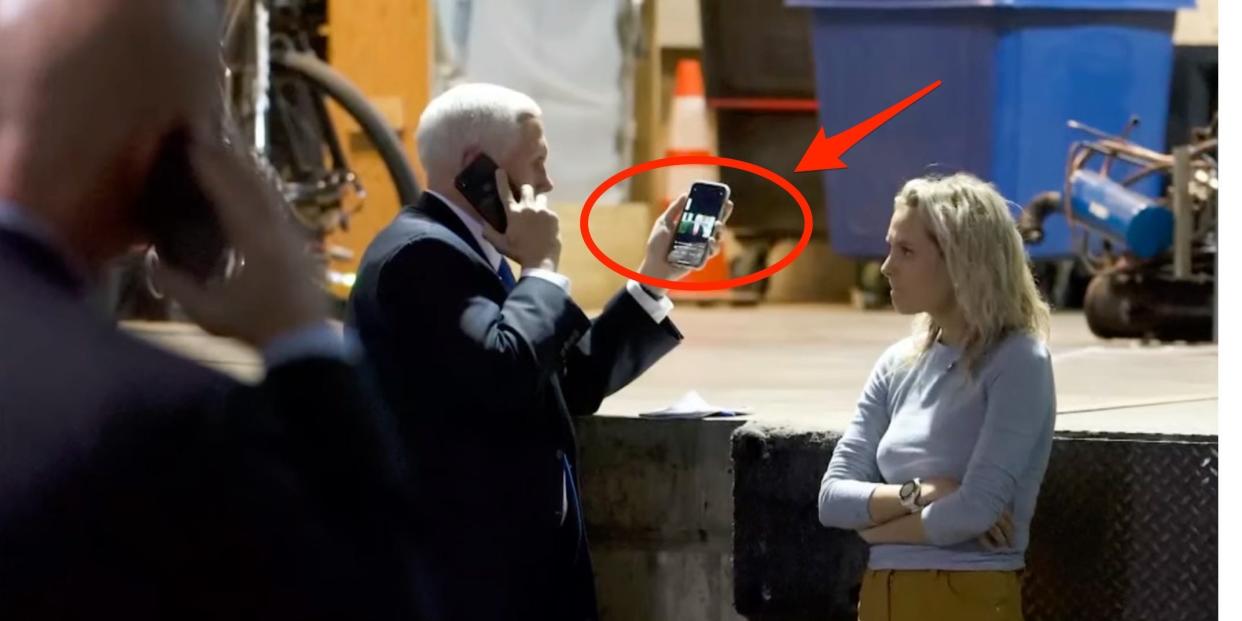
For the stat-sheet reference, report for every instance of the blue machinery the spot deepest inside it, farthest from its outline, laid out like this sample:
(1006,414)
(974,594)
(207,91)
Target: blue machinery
(1152,259)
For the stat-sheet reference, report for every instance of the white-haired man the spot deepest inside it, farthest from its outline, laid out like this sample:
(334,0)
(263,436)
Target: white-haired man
(485,370)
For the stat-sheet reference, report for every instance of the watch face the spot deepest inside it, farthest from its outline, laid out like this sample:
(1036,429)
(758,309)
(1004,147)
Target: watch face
(907,490)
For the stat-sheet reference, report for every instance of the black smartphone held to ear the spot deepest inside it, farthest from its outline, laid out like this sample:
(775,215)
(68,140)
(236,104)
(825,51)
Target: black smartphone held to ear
(698,224)
(178,216)
(478,184)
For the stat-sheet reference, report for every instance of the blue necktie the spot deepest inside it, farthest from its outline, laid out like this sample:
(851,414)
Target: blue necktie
(575,503)
(506,276)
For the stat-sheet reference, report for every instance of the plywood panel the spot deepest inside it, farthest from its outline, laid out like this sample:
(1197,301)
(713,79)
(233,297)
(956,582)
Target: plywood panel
(385,48)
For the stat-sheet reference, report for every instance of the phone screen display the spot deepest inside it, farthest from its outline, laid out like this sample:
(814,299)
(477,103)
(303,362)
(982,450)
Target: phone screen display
(697,227)
(478,184)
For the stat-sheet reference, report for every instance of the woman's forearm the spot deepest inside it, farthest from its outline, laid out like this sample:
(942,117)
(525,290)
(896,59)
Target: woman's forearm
(885,504)
(894,523)
(903,530)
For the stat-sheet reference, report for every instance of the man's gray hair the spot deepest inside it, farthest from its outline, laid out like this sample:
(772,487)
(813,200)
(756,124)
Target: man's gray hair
(478,116)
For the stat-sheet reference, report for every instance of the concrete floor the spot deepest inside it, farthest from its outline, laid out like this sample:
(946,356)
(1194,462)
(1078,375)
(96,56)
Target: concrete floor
(803,366)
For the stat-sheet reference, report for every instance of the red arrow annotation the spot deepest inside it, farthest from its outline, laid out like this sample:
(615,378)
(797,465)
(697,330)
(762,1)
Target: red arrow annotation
(825,153)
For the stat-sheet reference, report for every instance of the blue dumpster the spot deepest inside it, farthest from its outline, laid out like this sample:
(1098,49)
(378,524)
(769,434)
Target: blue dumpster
(1014,72)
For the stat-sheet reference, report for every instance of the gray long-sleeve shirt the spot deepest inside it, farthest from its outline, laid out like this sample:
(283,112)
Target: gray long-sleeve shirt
(928,417)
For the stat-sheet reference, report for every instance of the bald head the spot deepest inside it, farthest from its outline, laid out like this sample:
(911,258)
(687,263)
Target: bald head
(89,90)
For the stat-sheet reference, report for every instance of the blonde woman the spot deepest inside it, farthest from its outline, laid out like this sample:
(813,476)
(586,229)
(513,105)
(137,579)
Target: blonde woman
(940,468)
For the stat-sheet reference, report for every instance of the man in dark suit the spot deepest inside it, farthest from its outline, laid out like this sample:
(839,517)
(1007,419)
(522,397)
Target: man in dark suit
(485,370)
(135,484)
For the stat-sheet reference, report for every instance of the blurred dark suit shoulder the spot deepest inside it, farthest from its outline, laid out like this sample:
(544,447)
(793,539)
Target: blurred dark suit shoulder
(136,484)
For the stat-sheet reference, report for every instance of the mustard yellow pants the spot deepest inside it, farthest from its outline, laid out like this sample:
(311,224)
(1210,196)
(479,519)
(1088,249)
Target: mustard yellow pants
(933,595)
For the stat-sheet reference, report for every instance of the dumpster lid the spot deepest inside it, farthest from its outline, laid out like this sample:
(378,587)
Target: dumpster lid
(1093,5)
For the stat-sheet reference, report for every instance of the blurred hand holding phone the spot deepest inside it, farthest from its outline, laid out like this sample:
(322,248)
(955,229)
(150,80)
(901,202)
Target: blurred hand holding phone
(178,217)
(204,197)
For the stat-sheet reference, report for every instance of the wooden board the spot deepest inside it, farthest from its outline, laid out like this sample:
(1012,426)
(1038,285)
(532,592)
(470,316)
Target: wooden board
(384,47)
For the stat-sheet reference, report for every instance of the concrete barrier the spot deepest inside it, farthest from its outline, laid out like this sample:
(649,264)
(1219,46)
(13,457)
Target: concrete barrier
(658,497)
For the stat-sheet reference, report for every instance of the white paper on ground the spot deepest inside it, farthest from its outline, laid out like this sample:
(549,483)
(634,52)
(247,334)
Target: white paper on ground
(692,405)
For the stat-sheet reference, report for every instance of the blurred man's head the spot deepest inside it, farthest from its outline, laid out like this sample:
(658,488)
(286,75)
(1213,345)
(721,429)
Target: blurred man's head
(483,118)
(91,89)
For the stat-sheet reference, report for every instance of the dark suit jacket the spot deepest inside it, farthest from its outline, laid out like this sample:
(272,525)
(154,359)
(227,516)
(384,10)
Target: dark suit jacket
(135,484)
(484,383)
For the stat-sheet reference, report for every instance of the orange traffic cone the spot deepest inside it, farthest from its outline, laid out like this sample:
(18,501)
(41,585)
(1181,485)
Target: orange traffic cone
(691,132)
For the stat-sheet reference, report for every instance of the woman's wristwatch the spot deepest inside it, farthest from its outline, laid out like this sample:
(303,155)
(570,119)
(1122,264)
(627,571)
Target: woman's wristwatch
(910,494)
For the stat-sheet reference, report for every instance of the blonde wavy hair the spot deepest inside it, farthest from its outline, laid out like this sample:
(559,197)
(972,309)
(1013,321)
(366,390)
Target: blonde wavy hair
(987,264)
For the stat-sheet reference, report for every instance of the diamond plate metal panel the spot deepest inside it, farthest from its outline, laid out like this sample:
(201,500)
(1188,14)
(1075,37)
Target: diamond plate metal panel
(1126,528)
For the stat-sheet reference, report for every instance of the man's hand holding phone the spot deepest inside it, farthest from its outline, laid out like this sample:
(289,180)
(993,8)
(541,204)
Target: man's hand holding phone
(274,293)
(533,237)
(656,263)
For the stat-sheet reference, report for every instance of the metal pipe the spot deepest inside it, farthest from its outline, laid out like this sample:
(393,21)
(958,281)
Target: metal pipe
(1182,225)
(1142,173)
